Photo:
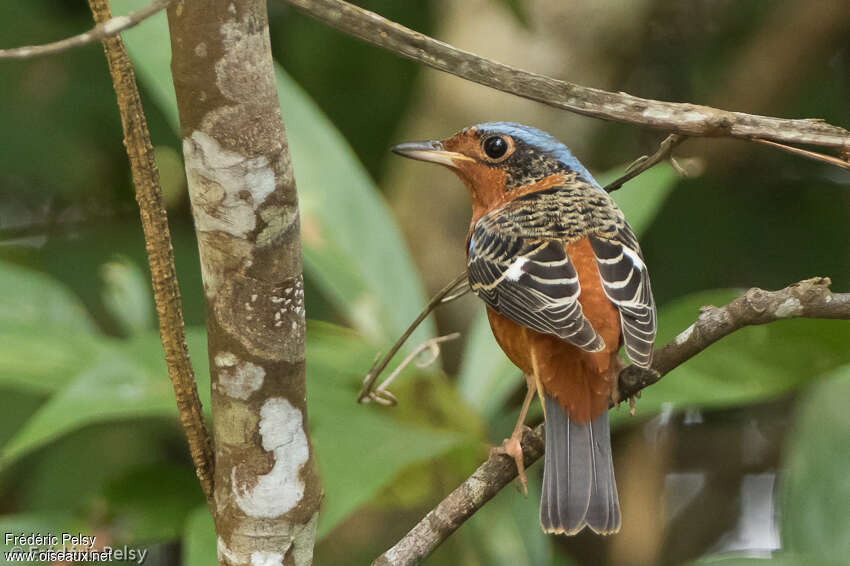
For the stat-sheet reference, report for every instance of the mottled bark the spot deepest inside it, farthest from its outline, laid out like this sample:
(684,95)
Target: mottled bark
(246,218)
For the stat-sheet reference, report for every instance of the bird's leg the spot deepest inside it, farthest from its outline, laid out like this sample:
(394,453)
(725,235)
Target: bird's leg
(513,446)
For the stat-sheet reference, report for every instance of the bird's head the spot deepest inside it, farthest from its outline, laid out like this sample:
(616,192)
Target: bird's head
(499,161)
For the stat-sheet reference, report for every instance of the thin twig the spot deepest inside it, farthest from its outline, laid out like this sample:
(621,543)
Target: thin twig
(457,288)
(807,299)
(679,118)
(832,160)
(382,395)
(102,30)
(159,250)
(645,162)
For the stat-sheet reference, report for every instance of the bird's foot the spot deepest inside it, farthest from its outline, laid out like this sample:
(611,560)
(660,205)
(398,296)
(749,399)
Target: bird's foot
(512,447)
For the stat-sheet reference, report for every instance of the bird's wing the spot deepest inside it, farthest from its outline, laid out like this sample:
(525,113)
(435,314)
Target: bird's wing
(625,280)
(519,267)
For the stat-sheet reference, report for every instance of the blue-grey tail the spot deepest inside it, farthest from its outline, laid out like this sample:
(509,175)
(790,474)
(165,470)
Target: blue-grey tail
(579,489)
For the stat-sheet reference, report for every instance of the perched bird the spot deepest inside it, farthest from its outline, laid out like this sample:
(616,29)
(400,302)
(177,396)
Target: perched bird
(565,286)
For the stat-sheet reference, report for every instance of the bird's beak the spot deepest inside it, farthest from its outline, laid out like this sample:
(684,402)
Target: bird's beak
(432,151)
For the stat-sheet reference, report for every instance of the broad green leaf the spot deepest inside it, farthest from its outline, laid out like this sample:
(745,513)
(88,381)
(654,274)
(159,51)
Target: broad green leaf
(816,498)
(344,432)
(127,296)
(46,335)
(41,358)
(352,247)
(487,378)
(153,502)
(30,298)
(199,539)
(122,380)
(114,387)
(752,364)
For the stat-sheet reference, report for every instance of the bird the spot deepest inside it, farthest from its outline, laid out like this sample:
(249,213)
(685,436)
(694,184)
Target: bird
(565,287)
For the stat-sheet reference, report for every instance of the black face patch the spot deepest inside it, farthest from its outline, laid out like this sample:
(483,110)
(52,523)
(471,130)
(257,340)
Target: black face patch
(527,165)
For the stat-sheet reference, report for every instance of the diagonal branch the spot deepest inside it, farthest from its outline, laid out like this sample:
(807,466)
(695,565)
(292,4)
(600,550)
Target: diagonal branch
(102,30)
(679,118)
(160,254)
(807,299)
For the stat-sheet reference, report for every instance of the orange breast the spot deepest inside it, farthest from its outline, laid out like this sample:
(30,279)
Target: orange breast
(581,381)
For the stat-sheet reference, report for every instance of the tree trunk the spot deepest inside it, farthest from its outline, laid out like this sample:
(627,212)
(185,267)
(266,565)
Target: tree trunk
(245,206)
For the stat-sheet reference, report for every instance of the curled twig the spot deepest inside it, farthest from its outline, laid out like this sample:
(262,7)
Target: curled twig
(384,397)
(458,287)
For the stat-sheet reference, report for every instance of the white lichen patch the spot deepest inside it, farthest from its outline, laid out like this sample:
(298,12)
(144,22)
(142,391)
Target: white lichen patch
(225,359)
(282,432)
(238,379)
(226,187)
(244,70)
(264,558)
(684,335)
(791,307)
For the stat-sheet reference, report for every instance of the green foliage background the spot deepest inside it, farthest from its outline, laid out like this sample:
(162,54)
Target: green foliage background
(88,435)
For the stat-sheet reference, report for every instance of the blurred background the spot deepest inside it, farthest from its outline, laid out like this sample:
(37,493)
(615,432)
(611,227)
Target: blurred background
(742,455)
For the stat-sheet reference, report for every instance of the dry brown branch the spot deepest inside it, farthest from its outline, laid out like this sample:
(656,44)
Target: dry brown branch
(807,299)
(106,28)
(679,118)
(160,255)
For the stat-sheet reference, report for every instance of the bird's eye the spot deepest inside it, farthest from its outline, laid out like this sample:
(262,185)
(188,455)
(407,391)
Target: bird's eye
(495,147)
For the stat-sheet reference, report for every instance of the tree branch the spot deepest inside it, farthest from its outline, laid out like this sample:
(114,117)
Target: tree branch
(245,206)
(166,291)
(104,29)
(807,299)
(679,118)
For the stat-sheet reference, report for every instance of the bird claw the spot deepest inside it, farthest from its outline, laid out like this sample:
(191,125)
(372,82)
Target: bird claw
(512,448)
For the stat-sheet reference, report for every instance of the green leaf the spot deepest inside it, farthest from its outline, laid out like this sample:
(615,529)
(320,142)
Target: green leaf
(127,296)
(487,378)
(30,298)
(344,432)
(46,335)
(352,247)
(115,386)
(42,359)
(199,539)
(816,490)
(752,364)
(153,502)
